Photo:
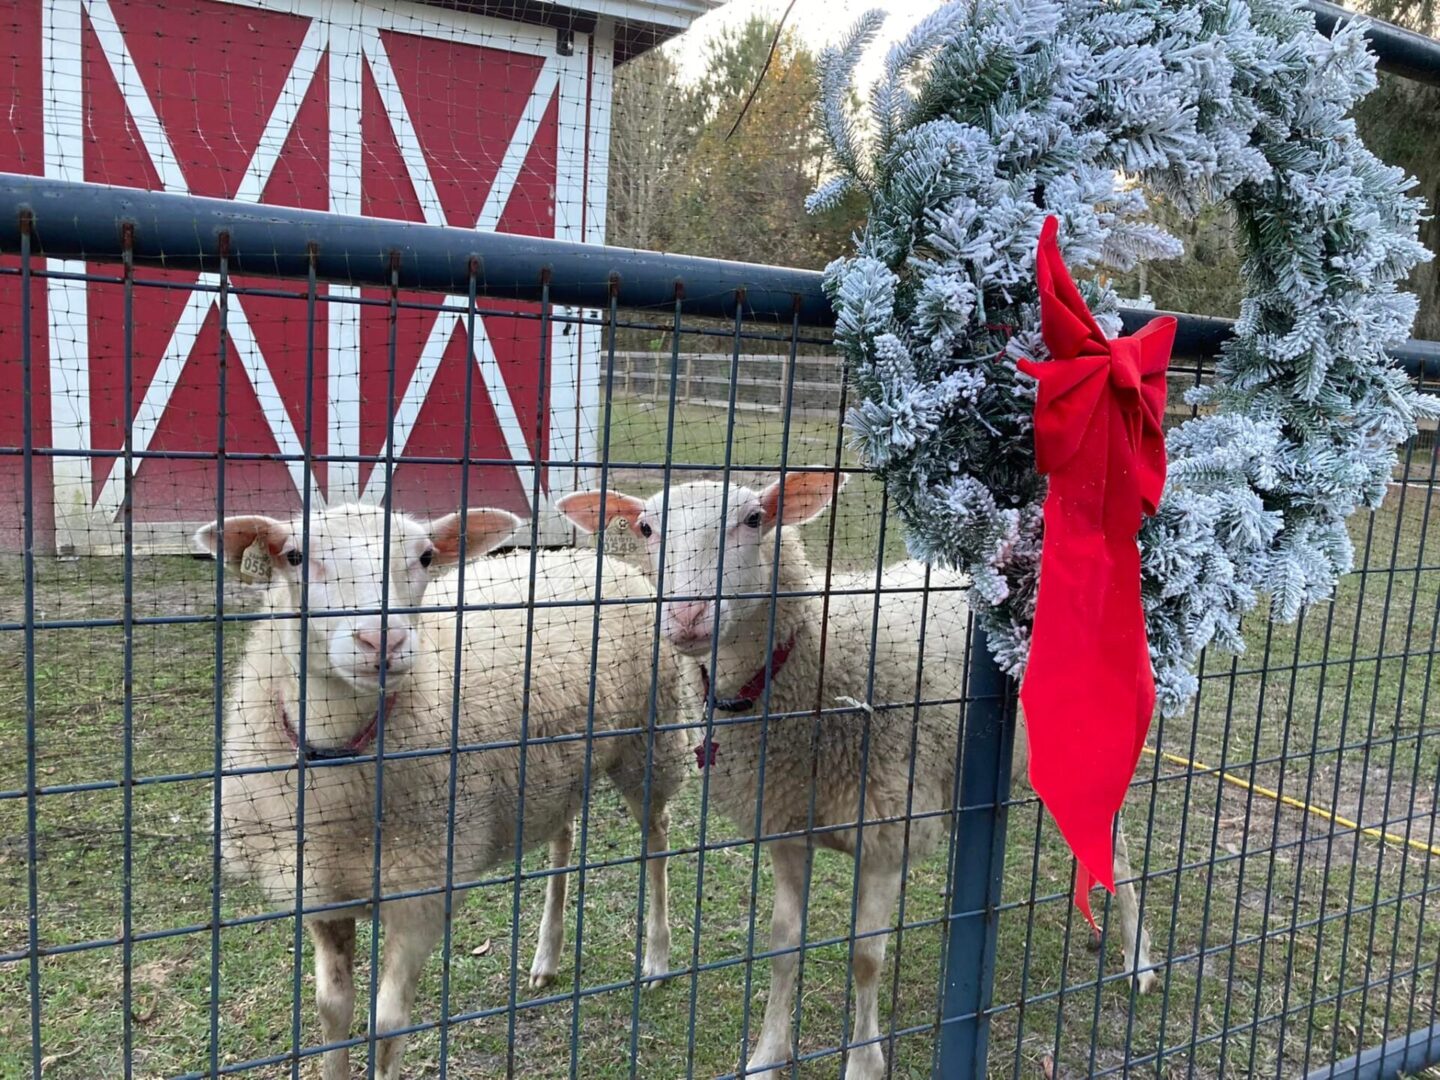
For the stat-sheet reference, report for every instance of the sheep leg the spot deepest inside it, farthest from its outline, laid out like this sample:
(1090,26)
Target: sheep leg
(879,886)
(1136,938)
(546,964)
(334,989)
(1020,755)
(657,867)
(788,860)
(412,928)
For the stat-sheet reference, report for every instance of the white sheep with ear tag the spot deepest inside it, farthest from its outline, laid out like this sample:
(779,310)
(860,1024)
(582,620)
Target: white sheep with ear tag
(379,665)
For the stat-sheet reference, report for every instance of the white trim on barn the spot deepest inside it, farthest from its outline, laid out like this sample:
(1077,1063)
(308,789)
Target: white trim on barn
(570,205)
(347,37)
(66,298)
(587,378)
(346,71)
(676,14)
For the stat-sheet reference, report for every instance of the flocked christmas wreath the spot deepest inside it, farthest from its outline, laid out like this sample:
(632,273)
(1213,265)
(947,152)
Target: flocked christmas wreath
(993,114)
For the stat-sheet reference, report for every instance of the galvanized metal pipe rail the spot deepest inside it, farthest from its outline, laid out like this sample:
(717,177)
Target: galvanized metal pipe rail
(181,232)
(1401,1056)
(1400,52)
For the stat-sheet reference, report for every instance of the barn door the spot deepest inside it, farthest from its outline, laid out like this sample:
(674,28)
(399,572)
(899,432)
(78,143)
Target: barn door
(406,112)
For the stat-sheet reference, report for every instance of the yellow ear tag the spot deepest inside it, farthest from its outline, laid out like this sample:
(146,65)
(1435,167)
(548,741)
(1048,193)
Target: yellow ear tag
(255,562)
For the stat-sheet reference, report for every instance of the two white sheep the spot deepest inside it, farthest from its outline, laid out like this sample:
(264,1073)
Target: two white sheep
(896,758)
(877,749)
(344,653)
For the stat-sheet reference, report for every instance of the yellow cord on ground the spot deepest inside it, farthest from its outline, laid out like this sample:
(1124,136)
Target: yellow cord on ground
(1310,808)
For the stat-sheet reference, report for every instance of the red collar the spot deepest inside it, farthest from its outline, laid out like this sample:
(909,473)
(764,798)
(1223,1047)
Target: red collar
(751,692)
(350,749)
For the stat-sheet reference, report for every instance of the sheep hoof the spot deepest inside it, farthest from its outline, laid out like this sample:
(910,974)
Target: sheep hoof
(1145,981)
(768,1074)
(654,980)
(655,966)
(539,980)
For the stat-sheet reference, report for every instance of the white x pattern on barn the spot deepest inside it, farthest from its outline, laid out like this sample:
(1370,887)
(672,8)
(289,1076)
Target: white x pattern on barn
(350,34)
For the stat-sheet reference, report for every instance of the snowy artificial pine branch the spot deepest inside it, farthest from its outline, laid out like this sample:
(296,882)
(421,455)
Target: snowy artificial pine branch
(992,114)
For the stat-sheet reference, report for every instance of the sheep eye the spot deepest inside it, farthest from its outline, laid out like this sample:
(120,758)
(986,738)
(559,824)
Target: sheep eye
(645,529)
(293,557)
(427,557)
(753,521)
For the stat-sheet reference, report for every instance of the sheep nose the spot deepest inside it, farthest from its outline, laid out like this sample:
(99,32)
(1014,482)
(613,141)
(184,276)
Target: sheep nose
(690,622)
(395,639)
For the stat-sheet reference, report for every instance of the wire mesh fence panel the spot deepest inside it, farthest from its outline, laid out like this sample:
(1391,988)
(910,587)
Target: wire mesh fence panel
(163,899)
(441,646)
(1279,841)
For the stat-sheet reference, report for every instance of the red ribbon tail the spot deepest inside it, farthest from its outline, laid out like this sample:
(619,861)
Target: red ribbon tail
(1084,882)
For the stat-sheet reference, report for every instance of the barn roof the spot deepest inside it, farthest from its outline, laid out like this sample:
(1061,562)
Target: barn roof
(640,25)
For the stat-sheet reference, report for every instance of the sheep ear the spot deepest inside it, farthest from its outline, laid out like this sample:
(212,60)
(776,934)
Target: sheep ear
(583,509)
(484,530)
(235,534)
(807,494)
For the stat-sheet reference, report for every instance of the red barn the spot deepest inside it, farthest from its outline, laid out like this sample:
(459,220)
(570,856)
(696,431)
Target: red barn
(485,116)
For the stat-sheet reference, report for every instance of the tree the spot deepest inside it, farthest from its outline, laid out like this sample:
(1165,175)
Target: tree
(682,181)
(1400,122)
(1206,280)
(649,134)
(741,192)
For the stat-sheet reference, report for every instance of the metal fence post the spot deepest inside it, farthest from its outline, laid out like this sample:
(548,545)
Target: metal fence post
(1406,1054)
(978,865)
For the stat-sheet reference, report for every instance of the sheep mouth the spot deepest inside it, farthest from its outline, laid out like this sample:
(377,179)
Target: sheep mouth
(692,646)
(369,678)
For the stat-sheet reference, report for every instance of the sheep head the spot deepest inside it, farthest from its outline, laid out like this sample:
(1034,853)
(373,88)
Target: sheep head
(352,576)
(700,520)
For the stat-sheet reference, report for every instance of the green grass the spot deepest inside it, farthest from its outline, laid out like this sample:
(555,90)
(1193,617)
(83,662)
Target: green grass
(1386,772)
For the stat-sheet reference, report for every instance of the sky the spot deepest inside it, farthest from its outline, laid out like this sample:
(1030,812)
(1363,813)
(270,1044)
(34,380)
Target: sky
(818,23)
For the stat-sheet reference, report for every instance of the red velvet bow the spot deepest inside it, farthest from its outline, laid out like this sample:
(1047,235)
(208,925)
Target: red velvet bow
(1089,689)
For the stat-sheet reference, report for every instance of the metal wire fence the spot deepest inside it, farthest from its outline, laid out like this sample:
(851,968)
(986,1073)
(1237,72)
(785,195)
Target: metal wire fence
(387,772)
(179,734)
